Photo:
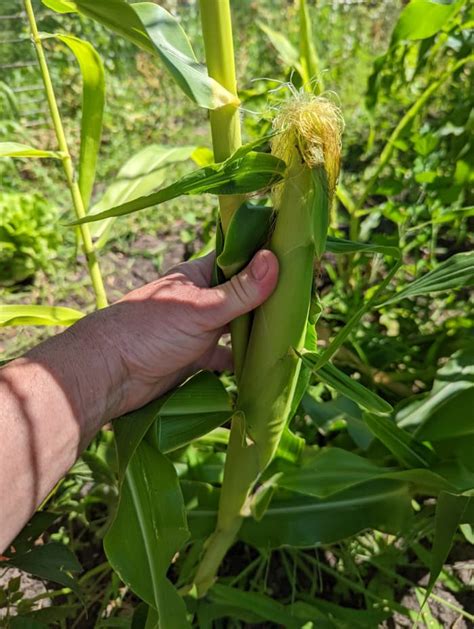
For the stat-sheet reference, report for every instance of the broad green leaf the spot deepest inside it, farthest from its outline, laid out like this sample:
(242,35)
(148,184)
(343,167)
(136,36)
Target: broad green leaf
(152,28)
(93,100)
(25,540)
(37,315)
(446,412)
(296,520)
(247,232)
(143,172)
(15,149)
(452,510)
(347,386)
(199,406)
(190,411)
(421,19)
(340,245)
(454,273)
(243,172)
(404,447)
(330,470)
(148,530)
(52,561)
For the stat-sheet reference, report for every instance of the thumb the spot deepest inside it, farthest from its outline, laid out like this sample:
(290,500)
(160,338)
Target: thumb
(243,292)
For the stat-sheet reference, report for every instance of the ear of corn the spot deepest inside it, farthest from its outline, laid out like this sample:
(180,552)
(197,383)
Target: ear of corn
(308,140)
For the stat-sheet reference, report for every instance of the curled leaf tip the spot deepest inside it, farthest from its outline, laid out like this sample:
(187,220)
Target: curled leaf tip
(314,125)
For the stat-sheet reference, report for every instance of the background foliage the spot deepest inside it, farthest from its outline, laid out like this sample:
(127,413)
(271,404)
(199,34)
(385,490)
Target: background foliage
(408,186)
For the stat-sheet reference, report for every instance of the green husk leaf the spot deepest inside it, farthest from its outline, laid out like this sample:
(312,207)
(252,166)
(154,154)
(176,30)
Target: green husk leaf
(247,232)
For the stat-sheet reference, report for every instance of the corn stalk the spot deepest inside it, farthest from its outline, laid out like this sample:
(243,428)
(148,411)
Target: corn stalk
(68,166)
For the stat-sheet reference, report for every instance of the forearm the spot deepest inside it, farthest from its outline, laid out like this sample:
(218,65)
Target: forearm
(53,401)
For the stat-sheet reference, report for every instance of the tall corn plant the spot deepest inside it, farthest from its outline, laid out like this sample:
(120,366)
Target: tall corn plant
(275,490)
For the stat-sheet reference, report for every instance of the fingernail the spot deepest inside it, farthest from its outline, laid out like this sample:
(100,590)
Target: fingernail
(259,266)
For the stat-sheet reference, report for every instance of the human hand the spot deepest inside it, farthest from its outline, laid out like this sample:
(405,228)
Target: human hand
(161,333)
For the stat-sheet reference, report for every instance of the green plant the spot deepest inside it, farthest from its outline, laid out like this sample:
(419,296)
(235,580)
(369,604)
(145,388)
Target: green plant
(328,446)
(28,239)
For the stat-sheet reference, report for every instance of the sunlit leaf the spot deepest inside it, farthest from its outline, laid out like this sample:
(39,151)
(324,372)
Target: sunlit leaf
(243,172)
(340,245)
(454,273)
(421,19)
(15,149)
(145,171)
(93,100)
(37,315)
(150,27)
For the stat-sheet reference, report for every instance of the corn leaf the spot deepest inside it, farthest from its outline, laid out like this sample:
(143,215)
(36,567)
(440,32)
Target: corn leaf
(308,56)
(37,315)
(284,48)
(15,149)
(199,406)
(454,273)
(263,606)
(247,232)
(452,396)
(190,411)
(344,384)
(51,562)
(330,470)
(294,519)
(242,173)
(148,530)
(93,100)
(452,510)
(150,513)
(421,19)
(405,448)
(143,172)
(153,29)
(297,520)
(341,246)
